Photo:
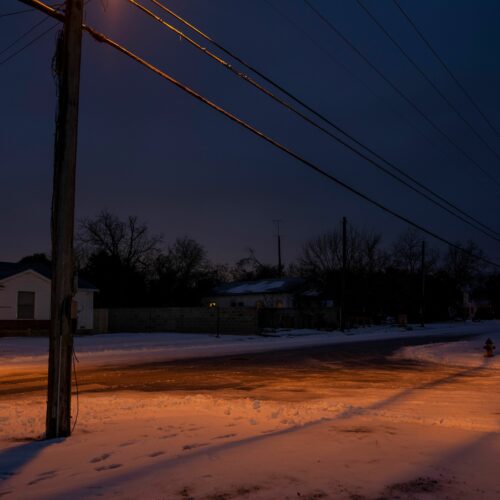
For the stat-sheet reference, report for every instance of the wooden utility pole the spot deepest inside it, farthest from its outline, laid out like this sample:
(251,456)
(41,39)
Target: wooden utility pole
(422,286)
(67,67)
(343,274)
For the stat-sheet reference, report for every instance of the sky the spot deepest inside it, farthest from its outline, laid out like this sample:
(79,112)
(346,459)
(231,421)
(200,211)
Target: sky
(147,149)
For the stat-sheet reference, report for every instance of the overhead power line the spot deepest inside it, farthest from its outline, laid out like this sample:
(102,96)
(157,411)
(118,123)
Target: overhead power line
(22,11)
(424,75)
(488,231)
(25,34)
(25,46)
(447,68)
(104,39)
(400,92)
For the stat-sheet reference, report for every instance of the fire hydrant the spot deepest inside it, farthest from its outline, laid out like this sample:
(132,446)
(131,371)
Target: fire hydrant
(489,347)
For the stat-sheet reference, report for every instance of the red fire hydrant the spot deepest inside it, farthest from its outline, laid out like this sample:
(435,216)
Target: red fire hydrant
(489,347)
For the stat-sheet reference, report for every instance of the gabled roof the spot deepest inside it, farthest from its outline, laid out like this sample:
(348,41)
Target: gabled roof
(281,285)
(8,269)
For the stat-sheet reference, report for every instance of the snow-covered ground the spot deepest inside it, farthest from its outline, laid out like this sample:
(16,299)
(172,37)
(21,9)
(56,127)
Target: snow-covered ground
(99,350)
(429,432)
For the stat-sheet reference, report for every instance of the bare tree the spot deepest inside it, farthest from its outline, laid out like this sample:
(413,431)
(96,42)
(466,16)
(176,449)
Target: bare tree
(465,267)
(406,253)
(184,261)
(323,255)
(128,241)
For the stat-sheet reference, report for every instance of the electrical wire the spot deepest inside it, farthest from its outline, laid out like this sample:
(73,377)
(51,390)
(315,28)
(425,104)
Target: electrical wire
(76,360)
(486,230)
(426,78)
(399,91)
(446,67)
(99,37)
(23,11)
(31,42)
(26,33)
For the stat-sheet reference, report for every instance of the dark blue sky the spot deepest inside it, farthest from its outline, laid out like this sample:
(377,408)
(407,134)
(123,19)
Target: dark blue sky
(145,148)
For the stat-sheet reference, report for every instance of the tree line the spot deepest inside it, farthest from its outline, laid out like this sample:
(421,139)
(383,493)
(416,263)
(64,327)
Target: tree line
(131,267)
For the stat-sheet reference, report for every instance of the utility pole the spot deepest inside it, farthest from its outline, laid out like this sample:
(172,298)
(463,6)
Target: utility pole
(343,274)
(280,264)
(67,67)
(422,285)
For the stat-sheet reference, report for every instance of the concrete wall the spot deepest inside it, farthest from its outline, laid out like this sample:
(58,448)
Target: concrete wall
(178,319)
(320,318)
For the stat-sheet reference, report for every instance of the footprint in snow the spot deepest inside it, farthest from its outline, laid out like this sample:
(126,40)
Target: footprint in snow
(225,436)
(194,445)
(42,477)
(100,458)
(108,467)
(168,436)
(127,443)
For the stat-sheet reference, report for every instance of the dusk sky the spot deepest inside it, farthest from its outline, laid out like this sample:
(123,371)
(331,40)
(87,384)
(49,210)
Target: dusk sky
(148,149)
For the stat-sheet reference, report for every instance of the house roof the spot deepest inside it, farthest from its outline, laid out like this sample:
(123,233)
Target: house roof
(8,269)
(282,285)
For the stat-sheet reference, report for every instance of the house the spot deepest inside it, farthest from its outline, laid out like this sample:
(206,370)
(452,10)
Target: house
(25,298)
(281,293)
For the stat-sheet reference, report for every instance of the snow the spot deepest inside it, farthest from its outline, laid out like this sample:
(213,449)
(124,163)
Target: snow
(18,353)
(257,287)
(432,433)
(464,353)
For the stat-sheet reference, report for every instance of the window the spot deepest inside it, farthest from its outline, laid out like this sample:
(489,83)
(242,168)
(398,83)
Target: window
(25,305)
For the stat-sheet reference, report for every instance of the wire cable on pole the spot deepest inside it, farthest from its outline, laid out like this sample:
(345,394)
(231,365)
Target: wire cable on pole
(31,42)
(446,68)
(424,75)
(400,92)
(484,228)
(99,37)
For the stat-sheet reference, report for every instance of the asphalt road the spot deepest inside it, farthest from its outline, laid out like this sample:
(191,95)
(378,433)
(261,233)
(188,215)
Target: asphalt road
(290,375)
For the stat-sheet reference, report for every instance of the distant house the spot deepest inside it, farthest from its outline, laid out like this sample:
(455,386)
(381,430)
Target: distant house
(267,293)
(25,298)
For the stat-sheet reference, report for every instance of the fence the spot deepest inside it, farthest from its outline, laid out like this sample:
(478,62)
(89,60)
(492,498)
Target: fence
(230,320)
(177,319)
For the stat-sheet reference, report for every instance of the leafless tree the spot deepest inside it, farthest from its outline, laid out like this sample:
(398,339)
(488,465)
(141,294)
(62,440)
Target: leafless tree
(465,267)
(323,254)
(406,253)
(184,260)
(128,240)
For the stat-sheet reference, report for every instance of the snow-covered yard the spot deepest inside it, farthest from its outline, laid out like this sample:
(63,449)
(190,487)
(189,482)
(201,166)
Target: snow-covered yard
(420,434)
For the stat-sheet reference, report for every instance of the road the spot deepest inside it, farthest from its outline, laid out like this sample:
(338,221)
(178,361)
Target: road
(298,374)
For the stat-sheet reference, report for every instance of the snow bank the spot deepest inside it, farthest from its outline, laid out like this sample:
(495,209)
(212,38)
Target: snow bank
(465,353)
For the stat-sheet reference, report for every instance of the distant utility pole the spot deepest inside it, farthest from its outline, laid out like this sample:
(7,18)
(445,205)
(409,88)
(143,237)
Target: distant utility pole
(67,67)
(343,274)
(422,285)
(280,264)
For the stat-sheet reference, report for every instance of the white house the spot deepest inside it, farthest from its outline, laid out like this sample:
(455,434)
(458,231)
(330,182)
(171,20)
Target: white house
(266,293)
(25,295)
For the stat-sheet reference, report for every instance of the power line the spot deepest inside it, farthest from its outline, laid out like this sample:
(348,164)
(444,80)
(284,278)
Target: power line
(23,11)
(399,91)
(104,39)
(31,42)
(316,125)
(353,75)
(426,77)
(26,33)
(447,68)
(56,6)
